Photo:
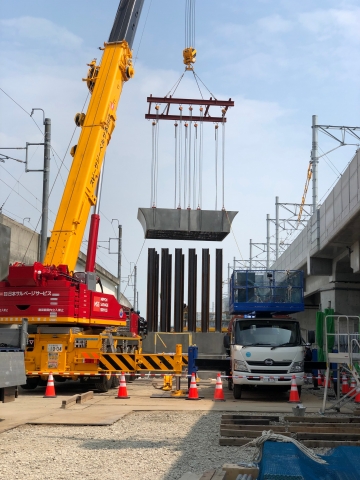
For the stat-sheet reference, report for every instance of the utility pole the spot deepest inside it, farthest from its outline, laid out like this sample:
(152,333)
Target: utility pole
(118,296)
(250,262)
(314,163)
(277,227)
(267,241)
(46,181)
(119,263)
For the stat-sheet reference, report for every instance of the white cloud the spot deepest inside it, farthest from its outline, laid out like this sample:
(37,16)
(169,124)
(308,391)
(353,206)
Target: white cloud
(333,22)
(32,28)
(275,24)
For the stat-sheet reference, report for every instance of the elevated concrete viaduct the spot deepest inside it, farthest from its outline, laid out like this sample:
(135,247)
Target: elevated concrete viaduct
(328,250)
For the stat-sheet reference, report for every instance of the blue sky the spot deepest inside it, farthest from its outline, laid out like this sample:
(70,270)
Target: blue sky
(280,61)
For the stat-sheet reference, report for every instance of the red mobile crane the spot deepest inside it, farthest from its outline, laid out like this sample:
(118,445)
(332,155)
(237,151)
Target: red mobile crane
(73,322)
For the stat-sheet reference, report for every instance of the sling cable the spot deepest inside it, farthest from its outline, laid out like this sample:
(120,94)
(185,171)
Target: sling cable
(187,220)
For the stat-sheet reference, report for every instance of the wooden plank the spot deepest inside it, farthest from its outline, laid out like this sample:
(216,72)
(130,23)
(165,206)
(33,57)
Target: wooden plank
(321,420)
(234,442)
(328,443)
(219,475)
(329,436)
(272,418)
(256,428)
(246,433)
(321,428)
(250,421)
(357,411)
(208,475)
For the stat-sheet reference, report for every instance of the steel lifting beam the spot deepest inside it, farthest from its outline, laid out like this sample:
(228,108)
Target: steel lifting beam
(205,290)
(156,294)
(168,291)
(218,289)
(178,290)
(224,104)
(192,285)
(150,295)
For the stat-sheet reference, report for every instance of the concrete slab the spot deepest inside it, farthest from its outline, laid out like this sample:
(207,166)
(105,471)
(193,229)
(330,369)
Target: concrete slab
(104,409)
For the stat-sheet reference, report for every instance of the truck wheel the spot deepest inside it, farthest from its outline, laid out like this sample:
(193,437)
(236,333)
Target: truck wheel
(30,384)
(104,384)
(299,390)
(115,381)
(237,391)
(230,384)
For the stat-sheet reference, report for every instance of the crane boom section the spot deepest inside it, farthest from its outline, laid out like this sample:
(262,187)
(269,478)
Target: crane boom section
(105,82)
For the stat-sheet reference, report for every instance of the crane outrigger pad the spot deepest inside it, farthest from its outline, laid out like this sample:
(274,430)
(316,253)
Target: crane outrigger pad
(177,224)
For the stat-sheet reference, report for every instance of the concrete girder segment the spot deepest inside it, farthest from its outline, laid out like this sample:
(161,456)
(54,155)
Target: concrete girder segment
(177,224)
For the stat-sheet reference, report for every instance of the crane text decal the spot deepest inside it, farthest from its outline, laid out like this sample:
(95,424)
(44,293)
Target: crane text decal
(45,293)
(94,175)
(101,304)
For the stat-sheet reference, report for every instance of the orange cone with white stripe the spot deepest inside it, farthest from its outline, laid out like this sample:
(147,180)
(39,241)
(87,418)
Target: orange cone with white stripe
(193,391)
(357,398)
(353,387)
(294,393)
(50,388)
(345,385)
(122,392)
(219,393)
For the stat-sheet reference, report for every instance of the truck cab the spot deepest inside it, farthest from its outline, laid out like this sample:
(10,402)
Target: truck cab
(266,351)
(265,343)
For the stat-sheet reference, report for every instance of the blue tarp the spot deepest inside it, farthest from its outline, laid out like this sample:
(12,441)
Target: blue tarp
(284,461)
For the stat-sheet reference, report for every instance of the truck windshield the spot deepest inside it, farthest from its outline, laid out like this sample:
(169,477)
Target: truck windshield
(270,332)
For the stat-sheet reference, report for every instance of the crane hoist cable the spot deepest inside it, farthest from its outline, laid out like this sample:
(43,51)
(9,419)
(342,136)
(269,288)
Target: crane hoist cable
(180,154)
(216,162)
(201,150)
(223,165)
(189,159)
(176,163)
(195,170)
(185,161)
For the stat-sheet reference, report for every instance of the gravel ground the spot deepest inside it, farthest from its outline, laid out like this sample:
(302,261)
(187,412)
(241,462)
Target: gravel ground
(140,446)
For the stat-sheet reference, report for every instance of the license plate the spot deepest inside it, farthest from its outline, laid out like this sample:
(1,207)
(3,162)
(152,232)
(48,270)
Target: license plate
(267,379)
(55,347)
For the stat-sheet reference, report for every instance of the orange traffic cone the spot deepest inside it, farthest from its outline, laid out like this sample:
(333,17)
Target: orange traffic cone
(193,391)
(345,385)
(122,392)
(319,380)
(219,393)
(50,387)
(357,398)
(294,393)
(353,387)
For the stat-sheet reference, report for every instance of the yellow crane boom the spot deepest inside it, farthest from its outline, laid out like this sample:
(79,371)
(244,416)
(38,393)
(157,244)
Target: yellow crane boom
(105,82)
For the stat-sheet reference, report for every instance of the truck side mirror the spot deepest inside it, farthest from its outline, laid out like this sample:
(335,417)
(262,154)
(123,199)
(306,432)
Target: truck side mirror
(311,336)
(226,341)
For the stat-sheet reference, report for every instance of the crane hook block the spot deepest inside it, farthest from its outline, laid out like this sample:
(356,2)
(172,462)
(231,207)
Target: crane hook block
(189,55)
(79,119)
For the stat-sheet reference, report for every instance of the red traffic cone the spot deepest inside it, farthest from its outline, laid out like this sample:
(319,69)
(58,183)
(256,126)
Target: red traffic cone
(319,379)
(219,393)
(353,387)
(122,392)
(345,385)
(294,393)
(193,391)
(50,388)
(357,398)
